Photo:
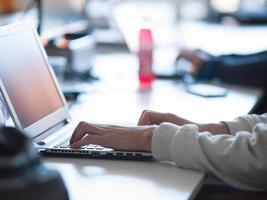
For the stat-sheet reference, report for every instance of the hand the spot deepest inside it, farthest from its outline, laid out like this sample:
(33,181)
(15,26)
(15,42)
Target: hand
(197,59)
(115,137)
(155,118)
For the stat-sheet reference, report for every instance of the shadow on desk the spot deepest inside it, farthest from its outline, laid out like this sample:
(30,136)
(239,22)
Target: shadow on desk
(222,192)
(96,169)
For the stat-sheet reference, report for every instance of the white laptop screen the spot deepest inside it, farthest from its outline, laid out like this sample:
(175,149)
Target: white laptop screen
(26,77)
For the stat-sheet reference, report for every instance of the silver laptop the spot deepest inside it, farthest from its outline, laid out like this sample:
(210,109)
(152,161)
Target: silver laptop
(35,100)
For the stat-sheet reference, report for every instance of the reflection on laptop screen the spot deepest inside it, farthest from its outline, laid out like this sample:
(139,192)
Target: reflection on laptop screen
(21,63)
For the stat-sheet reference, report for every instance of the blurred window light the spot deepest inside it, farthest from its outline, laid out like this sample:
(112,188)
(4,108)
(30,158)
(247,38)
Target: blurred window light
(64,5)
(226,6)
(193,10)
(254,5)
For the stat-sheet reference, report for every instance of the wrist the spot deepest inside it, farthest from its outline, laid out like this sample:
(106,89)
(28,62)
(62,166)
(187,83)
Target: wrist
(218,128)
(148,134)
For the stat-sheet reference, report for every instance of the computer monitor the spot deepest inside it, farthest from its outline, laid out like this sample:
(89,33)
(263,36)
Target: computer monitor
(63,16)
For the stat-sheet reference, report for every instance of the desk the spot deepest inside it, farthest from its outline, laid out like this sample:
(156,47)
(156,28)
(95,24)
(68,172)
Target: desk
(107,179)
(117,100)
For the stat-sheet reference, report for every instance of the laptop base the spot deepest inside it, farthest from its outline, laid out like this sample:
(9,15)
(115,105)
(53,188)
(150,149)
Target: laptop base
(114,155)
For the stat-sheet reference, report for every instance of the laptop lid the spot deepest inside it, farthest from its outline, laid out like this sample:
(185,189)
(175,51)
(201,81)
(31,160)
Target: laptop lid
(27,82)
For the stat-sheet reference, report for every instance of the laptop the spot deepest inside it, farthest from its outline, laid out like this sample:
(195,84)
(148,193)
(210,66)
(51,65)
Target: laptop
(35,100)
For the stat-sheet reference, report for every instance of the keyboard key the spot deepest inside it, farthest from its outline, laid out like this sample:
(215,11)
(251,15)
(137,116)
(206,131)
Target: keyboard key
(99,148)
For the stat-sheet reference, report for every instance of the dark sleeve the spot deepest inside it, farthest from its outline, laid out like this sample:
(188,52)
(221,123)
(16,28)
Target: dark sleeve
(250,70)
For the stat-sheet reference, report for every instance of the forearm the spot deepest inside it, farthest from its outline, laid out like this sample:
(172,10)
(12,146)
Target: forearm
(214,128)
(243,69)
(237,160)
(237,69)
(243,123)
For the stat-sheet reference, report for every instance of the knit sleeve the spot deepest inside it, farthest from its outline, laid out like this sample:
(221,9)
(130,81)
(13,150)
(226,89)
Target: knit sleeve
(239,160)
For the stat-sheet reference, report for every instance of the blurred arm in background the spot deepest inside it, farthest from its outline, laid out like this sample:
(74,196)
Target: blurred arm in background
(248,70)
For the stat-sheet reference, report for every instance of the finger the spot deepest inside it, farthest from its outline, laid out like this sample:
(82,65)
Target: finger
(145,121)
(76,133)
(151,118)
(144,118)
(184,54)
(82,142)
(142,121)
(84,128)
(88,139)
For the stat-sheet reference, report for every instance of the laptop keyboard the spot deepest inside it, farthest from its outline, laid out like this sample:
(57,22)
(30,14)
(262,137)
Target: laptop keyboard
(66,144)
(94,151)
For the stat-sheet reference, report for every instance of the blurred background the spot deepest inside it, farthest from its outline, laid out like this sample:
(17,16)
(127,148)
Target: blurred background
(73,32)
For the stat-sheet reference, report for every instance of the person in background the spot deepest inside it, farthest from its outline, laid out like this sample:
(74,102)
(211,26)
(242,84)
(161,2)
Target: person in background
(246,70)
(234,151)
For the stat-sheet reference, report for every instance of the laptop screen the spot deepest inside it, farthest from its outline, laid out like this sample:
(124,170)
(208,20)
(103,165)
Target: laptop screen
(27,79)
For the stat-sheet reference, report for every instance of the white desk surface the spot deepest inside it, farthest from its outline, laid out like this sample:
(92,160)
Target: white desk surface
(117,100)
(109,179)
(118,105)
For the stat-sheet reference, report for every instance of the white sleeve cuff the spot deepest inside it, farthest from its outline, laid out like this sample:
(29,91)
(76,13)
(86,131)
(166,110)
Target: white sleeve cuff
(234,126)
(161,140)
(245,123)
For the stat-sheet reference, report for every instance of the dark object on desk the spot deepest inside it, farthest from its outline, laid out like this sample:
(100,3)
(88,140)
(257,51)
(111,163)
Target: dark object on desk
(222,192)
(193,86)
(246,70)
(22,176)
(71,95)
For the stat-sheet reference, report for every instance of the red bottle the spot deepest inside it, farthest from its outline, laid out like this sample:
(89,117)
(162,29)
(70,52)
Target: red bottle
(145,54)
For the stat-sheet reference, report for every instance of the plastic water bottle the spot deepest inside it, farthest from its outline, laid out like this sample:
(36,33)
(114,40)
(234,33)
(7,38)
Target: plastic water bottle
(145,55)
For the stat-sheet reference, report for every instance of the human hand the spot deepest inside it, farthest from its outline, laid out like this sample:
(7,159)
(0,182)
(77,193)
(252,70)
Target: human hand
(196,60)
(155,118)
(115,137)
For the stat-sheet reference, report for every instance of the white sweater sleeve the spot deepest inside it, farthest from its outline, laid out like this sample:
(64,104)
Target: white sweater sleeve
(239,159)
(245,123)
